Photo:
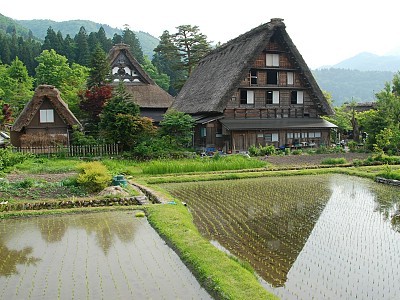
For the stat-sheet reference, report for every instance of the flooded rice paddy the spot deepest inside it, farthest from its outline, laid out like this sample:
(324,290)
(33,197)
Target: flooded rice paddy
(308,237)
(110,255)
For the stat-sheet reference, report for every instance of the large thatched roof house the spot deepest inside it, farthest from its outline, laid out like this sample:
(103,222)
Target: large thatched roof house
(152,100)
(45,120)
(255,89)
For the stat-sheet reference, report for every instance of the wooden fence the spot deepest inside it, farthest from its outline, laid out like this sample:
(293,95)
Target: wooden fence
(72,151)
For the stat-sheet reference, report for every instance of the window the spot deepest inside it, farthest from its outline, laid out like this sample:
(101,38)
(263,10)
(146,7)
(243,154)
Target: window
(46,116)
(253,77)
(272,97)
(289,135)
(203,132)
(271,137)
(268,97)
(272,77)
(246,97)
(290,78)
(272,60)
(296,97)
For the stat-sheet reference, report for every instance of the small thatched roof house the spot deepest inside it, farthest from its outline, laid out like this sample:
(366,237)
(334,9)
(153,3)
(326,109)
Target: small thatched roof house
(152,100)
(255,89)
(45,120)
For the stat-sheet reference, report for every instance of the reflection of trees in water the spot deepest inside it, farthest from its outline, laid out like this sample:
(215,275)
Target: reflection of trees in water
(52,229)
(106,226)
(264,222)
(9,259)
(387,199)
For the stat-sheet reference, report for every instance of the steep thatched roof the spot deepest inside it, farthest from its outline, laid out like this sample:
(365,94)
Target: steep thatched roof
(218,74)
(146,93)
(43,92)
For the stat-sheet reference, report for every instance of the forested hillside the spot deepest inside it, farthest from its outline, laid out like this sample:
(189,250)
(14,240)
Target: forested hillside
(345,85)
(39,29)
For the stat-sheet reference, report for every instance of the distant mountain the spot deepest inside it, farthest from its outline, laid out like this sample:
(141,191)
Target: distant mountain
(8,25)
(345,84)
(39,29)
(370,62)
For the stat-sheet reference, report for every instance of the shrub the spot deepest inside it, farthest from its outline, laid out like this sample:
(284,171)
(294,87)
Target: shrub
(93,176)
(297,152)
(254,151)
(334,161)
(8,158)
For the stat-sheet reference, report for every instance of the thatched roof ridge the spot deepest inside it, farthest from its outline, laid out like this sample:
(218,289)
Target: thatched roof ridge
(218,74)
(124,48)
(53,95)
(147,94)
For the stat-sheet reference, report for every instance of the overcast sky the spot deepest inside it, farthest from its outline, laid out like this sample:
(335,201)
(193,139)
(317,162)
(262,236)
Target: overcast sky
(325,32)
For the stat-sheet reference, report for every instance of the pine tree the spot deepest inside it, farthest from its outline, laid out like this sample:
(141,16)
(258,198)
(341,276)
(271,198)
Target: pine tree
(99,73)
(82,53)
(129,38)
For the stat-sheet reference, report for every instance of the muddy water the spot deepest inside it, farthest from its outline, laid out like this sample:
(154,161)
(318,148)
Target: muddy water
(109,255)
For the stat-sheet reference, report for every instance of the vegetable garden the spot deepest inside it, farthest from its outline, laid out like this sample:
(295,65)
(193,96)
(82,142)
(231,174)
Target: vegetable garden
(326,236)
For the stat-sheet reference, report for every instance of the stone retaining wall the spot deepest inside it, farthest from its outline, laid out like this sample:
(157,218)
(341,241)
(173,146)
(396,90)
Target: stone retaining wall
(388,181)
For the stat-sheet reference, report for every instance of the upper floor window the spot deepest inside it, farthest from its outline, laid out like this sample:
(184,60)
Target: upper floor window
(272,60)
(272,77)
(46,116)
(253,77)
(246,97)
(297,97)
(272,97)
(290,78)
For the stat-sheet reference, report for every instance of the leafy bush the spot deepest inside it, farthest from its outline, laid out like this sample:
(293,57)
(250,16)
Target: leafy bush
(93,176)
(334,161)
(297,152)
(8,158)
(261,150)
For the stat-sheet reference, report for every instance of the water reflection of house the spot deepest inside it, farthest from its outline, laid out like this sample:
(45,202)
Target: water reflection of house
(45,120)
(152,99)
(255,89)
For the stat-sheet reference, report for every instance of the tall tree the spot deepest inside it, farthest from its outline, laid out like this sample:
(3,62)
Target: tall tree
(53,40)
(167,60)
(16,85)
(82,53)
(383,124)
(100,69)
(178,53)
(54,69)
(192,45)
(106,43)
(129,38)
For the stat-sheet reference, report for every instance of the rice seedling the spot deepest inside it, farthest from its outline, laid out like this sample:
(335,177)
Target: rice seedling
(297,224)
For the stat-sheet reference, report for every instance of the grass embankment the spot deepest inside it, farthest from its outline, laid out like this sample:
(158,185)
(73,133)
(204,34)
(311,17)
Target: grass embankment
(221,275)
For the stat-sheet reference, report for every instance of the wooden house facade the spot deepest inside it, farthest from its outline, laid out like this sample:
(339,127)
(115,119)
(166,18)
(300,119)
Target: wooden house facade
(152,99)
(255,90)
(45,120)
